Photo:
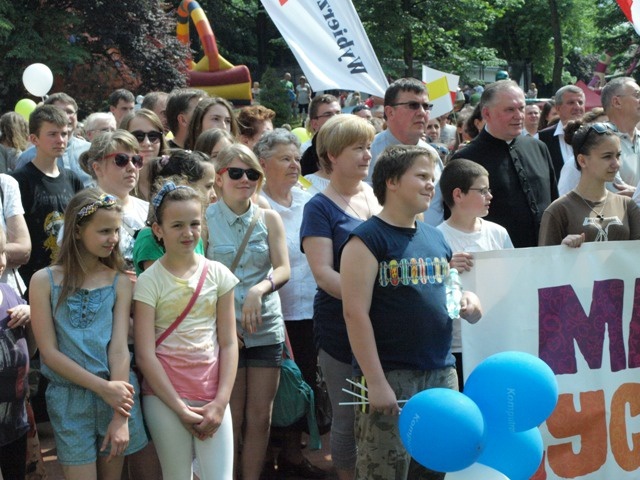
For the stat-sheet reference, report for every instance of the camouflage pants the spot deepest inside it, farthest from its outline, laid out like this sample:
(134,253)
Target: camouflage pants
(381,455)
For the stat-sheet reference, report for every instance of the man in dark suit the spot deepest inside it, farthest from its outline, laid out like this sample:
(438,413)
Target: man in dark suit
(522,180)
(570,106)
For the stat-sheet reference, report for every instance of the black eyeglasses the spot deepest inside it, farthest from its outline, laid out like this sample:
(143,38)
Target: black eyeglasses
(154,136)
(236,173)
(328,115)
(413,105)
(484,191)
(122,159)
(599,128)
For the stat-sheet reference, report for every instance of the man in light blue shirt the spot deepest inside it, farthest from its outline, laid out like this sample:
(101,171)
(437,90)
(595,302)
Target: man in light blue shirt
(407,111)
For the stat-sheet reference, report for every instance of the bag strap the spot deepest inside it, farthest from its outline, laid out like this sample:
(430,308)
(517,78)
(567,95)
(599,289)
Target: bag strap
(287,351)
(245,240)
(187,309)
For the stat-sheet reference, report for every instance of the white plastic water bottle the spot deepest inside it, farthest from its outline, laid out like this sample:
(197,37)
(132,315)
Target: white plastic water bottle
(454,293)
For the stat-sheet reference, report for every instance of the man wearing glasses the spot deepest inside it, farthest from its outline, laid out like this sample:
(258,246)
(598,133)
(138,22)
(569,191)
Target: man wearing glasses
(406,110)
(523,182)
(570,106)
(75,145)
(621,102)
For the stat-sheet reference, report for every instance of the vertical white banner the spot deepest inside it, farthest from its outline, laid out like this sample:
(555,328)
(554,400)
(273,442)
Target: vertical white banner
(330,44)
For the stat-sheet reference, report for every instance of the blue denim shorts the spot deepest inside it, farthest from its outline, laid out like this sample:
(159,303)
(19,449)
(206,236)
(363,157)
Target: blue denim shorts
(80,419)
(266,356)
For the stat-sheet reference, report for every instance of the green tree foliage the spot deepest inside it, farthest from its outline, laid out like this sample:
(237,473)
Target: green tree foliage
(524,37)
(92,46)
(30,32)
(273,95)
(618,38)
(446,36)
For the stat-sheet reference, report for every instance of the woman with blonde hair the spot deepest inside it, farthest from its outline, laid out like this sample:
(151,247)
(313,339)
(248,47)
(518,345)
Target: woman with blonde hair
(343,146)
(262,268)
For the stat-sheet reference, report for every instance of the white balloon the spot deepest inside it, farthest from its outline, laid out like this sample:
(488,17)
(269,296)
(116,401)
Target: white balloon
(37,79)
(477,471)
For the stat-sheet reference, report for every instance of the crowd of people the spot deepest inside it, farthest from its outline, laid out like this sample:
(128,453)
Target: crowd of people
(158,258)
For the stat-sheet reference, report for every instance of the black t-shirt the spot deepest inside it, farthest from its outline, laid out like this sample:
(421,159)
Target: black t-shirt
(44,200)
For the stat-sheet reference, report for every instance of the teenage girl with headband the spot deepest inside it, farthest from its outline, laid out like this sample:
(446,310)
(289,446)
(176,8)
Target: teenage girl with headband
(80,317)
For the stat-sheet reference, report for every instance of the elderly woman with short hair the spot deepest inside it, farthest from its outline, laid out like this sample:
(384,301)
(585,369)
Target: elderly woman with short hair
(279,154)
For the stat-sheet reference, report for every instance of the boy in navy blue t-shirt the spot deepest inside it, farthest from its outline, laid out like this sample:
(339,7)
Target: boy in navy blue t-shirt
(393,271)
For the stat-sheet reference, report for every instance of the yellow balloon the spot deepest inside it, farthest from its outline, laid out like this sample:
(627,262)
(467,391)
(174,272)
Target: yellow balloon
(302,134)
(24,108)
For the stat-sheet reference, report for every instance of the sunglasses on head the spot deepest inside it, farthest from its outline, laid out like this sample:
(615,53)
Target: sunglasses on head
(154,136)
(122,159)
(236,173)
(599,128)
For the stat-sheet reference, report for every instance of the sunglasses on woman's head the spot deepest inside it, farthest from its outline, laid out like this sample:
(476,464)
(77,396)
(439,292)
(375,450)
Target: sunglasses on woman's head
(122,159)
(598,127)
(154,136)
(236,173)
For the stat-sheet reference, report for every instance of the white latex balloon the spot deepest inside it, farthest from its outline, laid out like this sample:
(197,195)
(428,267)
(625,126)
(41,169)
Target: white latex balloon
(37,79)
(477,471)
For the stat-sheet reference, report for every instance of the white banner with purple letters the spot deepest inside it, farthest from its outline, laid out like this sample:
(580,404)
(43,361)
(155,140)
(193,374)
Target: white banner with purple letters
(579,311)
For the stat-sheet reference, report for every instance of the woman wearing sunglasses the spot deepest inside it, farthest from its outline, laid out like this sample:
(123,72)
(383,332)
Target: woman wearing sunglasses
(589,212)
(262,268)
(146,127)
(114,163)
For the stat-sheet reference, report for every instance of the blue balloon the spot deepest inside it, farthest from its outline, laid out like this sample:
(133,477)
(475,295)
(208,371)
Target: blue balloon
(516,455)
(515,391)
(442,429)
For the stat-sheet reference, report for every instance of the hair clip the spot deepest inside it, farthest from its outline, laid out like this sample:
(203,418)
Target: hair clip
(104,201)
(164,159)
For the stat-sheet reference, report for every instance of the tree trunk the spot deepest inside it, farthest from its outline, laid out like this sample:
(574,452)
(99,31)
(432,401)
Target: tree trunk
(558,54)
(261,33)
(407,43)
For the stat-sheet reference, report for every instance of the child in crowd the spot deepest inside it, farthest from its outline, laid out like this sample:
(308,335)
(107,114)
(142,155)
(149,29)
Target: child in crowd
(14,365)
(185,341)
(392,267)
(211,142)
(197,170)
(80,309)
(465,190)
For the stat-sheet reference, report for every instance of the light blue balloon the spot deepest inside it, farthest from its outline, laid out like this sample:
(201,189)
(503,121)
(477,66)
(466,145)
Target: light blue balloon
(442,429)
(515,391)
(516,455)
